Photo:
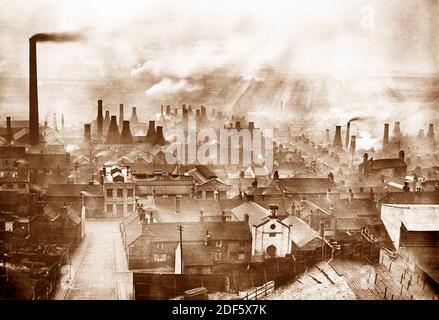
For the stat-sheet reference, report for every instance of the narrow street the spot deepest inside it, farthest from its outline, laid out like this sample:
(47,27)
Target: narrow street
(98,267)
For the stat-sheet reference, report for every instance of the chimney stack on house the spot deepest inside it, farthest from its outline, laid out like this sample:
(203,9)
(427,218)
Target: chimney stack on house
(8,131)
(100,120)
(402,155)
(337,143)
(151,134)
(125,135)
(113,135)
(87,133)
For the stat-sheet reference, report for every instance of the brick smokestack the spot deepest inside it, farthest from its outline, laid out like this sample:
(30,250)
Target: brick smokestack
(87,133)
(160,139)
(431,141)
(198,118)
(62,121)
(134,119)
(100,120)
(168,110)
(8,130)
(55,126)
(397,131)
(34,129)
(113,135)
(327,136)
(121,115)
(151,134)
(348,132)
(107,120)
(337,143)
(353,146)
(125,136)
(386,135)
(204,118)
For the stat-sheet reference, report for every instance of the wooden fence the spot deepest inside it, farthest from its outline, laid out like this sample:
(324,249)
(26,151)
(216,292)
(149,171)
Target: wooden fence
(263,290)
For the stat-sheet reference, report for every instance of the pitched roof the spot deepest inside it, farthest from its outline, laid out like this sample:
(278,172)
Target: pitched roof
(255,212)
(301,232)
(305,185)
(386,163)
(419,217)
(13,152)
(50,161)
(196,231)
(343,208)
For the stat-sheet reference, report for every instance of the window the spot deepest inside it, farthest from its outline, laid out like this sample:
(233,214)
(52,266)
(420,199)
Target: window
(120,193)
(273,226)
(130,207)
(109,208)
(110,193)
(22,186)
(10,186)
(219,243)
(241,255)
(130,193)
(241,243)
(119,209)
(159,257)
(218,255)
(159,245)
(272,234)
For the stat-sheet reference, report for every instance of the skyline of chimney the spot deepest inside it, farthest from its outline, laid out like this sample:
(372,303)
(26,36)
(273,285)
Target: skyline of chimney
(337,143)
(151,134)
(121,115)
(386,135)
(125,135)
(8,131)
(87,133)
(100,120)
(160,138)
(113,135)
(134,119)
(34,127)
(348,132)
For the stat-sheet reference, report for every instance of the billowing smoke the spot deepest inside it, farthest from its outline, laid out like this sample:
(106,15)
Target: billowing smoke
(359,119)
(56,37)
(167,87)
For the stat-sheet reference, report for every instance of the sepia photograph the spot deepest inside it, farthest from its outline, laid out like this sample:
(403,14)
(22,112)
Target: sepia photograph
(238,151)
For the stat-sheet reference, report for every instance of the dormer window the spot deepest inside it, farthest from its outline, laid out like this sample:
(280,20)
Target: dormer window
(159,245)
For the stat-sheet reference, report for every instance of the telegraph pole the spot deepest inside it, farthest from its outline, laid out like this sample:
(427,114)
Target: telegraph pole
(180,228)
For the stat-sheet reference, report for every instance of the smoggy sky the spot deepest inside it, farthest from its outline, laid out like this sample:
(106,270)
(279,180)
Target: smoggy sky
(176,40)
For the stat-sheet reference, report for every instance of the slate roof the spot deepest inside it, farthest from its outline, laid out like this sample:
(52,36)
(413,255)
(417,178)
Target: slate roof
(196,231)
(305,185)
(256,213)
(411,198)
(377,164)
(301,232)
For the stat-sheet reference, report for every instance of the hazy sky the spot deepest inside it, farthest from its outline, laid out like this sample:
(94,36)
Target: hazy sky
(176,40)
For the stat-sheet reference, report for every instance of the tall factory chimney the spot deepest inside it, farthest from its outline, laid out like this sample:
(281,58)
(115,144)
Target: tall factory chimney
(134,118)
(55,126)
(348,132)
(8,131)
(386,135)
(397,131)
(100,120)
(87,133)
(198,119)
(353,146)
(62,121)
(204,118)
(107,120)
(168,110)
(125,135)
(431,141)
(121,115)
(160,139)
(327,136)
(337,143)
(34,129)
(113,135)
(151,134)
